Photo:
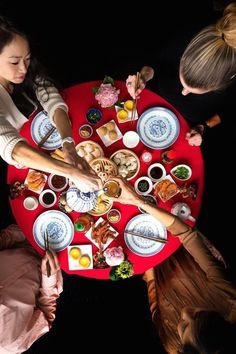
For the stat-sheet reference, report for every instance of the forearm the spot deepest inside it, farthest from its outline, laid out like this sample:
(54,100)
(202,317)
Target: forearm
(28,156)
(63,123)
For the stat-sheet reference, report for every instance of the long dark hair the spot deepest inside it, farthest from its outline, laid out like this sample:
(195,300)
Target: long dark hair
(212,335)
(35,71)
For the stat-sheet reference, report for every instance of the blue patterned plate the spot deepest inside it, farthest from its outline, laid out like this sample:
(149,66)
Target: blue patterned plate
(59,227)
(39,127)
(80,201)
(147,225)
(158,127)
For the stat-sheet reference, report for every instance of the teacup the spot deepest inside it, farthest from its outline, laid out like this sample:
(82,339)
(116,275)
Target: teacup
(112,188)
(31,203)
(183,211)
(47,198)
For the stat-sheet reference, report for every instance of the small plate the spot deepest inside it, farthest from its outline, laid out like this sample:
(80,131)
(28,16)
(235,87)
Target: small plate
(147,225)
(59,227)
(40,125)
(34,184)
(84,250)
(129,114)
(109,240)
(158,127)
(109,133)
(166,188)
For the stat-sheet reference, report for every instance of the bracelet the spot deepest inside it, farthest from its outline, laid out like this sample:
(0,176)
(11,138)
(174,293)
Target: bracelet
(68,139)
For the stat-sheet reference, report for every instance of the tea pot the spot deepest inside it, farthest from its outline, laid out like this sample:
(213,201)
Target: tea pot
(183,211)
(81,201)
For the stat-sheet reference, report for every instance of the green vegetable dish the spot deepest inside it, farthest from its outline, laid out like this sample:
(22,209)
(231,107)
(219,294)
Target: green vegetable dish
(181,172)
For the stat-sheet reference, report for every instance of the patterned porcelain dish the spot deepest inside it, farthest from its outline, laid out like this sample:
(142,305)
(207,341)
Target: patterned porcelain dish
(79,201)
(149,226)
(40,126)
(158,127)
(59,227)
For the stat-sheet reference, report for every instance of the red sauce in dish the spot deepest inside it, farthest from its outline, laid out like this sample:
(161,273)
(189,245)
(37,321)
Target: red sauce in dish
(58,181)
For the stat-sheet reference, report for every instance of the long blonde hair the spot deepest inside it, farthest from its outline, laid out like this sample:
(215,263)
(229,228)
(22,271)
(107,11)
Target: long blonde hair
(209,61)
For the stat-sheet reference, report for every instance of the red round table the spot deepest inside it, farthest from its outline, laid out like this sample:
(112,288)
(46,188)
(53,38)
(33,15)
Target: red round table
(79,98)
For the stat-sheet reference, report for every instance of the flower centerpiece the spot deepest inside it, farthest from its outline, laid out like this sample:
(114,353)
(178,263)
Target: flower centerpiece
(106,94)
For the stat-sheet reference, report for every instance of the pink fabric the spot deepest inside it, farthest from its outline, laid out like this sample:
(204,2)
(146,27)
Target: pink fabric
(22,321)
(79,99)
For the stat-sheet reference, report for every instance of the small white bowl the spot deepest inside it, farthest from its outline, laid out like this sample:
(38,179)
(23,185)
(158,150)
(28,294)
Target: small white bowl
(131,139)
(53,187)
(30,203)
(159,167)
(47,198)
(149,182)
(185,168)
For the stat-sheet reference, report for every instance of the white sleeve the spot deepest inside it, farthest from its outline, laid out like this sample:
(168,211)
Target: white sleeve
(50,99)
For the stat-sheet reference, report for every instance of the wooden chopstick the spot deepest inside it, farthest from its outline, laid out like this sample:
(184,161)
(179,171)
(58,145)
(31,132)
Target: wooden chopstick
(157,239)
(135,101)
(45,138)
(46,246)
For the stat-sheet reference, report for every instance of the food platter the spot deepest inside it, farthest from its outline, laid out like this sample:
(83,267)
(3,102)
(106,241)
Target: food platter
(89,150)
(104,168)
(127,162)
(158,127)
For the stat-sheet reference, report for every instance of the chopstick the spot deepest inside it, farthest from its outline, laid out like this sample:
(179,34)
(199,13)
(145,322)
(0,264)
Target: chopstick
(46,246)
(45,138)
(135,101)
(157,239)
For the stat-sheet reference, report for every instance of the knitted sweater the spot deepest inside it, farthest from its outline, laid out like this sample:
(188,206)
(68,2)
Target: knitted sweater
(12,120)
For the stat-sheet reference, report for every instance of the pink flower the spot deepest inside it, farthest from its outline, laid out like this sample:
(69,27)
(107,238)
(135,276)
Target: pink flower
(114,256)
(107,95)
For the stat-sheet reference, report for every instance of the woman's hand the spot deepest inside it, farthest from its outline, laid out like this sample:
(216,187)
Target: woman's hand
(194,138)
(72,158)
(127,195)
(131,86)
(51,257)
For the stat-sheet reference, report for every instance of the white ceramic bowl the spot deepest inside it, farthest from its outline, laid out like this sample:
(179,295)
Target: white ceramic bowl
(160,172)
(31,203)
(181,172)
(47,198)
(131,139)
(146,180)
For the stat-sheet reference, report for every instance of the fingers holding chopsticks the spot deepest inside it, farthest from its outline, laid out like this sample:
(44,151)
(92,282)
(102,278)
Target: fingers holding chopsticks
(135,85)
(50,263)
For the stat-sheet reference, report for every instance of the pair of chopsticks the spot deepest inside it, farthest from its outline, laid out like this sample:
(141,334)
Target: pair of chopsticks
(46,136)
(153,238)
(46,247)
(137,82)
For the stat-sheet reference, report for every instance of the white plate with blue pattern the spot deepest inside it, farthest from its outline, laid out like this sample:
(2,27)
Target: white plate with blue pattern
(158,127)
(59,227)
(149,226)
(40,125)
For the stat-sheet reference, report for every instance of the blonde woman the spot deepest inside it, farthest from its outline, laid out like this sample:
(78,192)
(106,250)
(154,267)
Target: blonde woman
(201,86)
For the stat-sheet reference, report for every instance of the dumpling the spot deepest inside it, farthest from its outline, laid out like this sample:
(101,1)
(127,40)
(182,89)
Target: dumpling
(81,152)
(88,148)
(96,152)
(88,157)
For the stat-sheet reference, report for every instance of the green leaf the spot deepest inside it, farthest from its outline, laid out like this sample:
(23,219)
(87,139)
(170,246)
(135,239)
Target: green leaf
(119,104)
(95,89)
(108,80)
(113,275)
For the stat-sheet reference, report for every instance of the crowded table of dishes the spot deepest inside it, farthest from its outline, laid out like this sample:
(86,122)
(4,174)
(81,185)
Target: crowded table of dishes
(144,142)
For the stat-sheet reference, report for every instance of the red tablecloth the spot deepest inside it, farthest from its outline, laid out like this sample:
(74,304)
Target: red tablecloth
(79,98)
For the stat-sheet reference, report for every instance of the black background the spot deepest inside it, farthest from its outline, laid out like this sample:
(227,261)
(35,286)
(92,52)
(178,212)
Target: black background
(85,42)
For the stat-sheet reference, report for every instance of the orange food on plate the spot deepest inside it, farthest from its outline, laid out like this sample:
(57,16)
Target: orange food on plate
(75,252)
(166,189)
(85,261)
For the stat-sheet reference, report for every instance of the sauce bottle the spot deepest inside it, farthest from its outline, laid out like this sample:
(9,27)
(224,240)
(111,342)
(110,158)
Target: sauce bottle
(83,223)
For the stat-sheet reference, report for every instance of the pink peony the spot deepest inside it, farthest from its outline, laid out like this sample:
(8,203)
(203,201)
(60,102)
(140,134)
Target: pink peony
(114,256)
(107,95)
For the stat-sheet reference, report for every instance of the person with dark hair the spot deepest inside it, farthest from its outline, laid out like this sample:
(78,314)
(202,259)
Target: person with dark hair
(200,85)
(27,294)
(191,298)
(24,88)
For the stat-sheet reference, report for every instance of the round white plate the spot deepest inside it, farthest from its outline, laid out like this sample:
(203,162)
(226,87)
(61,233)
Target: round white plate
(147,225)
(59,227)
(158,127)
(39,127)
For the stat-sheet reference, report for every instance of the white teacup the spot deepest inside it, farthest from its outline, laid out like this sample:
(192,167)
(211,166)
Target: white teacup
(183,211)
(31,203)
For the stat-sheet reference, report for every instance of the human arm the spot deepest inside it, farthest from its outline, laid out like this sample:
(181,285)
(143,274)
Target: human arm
(146,74)
(51,287)
(26,155)
(195,135)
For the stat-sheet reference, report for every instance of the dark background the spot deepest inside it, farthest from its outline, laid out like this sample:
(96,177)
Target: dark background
(83,43)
